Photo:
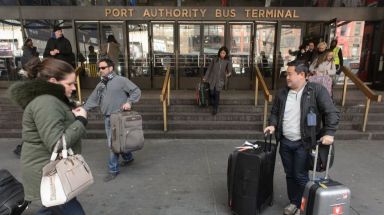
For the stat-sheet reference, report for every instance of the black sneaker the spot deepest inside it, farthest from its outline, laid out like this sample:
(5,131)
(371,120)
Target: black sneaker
(17,150)
(124,163)
(110,177)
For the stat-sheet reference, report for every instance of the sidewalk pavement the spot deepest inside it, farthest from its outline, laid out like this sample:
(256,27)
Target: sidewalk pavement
(188,177)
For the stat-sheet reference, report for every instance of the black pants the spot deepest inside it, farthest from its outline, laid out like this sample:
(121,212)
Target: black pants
(215,98)
(294,157)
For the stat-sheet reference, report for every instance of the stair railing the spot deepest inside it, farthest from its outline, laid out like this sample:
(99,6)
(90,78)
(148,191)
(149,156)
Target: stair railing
(369,94)
(267,94)
(165,95)
(78,87)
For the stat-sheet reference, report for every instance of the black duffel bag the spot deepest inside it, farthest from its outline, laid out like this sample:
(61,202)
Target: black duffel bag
(322,158)
(11,195)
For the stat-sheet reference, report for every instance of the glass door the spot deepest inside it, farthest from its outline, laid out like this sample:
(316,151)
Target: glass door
(190,60)
(265,49)
(116,49)
(240,51)
(199,44)
(290,39)
(139,59)
(88,47)
(163,51)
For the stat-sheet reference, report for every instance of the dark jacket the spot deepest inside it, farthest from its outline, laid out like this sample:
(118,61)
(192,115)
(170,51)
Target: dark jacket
(217,71)
(64,46)
(28,53)
(314,98)
(47,116)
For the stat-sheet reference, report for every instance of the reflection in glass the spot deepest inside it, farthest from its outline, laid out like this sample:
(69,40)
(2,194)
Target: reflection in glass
(88,46)
(290,40)
(163,48)
(240,48)
(190,46)
(11,43)
(264,48)
(138,50)
(213,40)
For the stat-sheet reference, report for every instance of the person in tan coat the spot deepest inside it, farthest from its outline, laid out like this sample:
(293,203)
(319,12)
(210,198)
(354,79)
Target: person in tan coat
(111,49)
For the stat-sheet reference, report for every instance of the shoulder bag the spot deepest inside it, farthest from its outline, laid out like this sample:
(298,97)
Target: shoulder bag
(64,178)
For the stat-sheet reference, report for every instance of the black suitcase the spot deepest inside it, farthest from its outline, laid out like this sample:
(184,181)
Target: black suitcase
(202,94)
(11,195)
(250,178)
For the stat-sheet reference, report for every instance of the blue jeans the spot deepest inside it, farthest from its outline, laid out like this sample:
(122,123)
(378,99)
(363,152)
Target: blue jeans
(113,161)
(215,98)
(294,157)
(73,207)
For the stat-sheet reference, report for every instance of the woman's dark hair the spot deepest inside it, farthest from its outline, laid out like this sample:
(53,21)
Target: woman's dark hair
(27,41)
(111,38)
(223,48)
(48,68)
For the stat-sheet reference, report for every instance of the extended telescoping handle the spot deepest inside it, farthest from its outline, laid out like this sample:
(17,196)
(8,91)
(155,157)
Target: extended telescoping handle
(328,161)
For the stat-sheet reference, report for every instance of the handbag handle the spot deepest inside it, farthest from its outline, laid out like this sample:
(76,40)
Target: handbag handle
(64,152)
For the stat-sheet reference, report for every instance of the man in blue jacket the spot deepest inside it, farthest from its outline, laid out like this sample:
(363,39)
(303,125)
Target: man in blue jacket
(301,113)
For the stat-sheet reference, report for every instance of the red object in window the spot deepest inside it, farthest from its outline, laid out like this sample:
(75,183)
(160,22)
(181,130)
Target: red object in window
(224,3)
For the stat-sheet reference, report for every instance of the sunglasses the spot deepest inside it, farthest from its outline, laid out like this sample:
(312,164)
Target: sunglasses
(103,67)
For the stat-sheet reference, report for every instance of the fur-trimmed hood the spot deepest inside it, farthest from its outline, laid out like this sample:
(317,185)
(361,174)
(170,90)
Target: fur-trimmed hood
(23,92)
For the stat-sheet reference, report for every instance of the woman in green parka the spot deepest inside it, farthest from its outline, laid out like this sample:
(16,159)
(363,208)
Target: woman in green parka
(48,114)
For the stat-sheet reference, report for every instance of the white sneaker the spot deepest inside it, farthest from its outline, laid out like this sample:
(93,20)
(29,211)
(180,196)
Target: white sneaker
(291,209)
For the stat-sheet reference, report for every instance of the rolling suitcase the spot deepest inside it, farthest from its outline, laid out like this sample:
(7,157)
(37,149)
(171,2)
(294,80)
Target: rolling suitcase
(325,196)
(202,94)
(127,132)
(11,195)
(250,178)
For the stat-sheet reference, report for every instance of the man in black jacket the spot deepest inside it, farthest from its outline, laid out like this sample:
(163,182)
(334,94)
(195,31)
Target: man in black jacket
(296,116)
(59,47)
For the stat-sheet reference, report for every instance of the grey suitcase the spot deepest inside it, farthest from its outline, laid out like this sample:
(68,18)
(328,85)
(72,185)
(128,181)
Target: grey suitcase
(127,132)
(325,196)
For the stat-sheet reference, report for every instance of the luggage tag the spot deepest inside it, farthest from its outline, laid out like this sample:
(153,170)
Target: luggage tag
(311,119)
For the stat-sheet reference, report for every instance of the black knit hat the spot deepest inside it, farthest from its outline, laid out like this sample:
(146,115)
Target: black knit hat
(56,28)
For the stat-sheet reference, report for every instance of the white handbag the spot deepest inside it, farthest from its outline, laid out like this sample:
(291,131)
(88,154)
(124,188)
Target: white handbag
(65,178)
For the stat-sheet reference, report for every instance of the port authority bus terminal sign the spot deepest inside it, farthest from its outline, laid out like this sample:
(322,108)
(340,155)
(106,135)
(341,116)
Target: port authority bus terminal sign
(153,13)
(201,13)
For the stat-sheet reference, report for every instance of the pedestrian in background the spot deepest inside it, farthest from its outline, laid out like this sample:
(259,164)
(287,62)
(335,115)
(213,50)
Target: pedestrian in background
(29,51)
(59,47)
(48,115)
(111,50)
(112,94)
(219,69)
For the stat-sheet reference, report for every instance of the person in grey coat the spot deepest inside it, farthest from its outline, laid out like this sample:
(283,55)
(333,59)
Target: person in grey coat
(29,51)
(219,69)
(112,94)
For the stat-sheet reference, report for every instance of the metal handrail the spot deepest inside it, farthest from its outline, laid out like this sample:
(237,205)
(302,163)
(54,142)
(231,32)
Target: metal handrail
(165,95)
(363,88)
(78,87)
(267,94)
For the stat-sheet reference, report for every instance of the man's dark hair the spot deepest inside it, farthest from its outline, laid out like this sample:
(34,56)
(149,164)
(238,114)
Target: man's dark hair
(300,66)
(108,61)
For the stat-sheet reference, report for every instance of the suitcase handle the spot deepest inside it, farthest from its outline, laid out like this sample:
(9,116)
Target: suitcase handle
(328,161)
(266,134)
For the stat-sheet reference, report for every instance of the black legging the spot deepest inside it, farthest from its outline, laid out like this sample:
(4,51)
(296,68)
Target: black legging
(215,98)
